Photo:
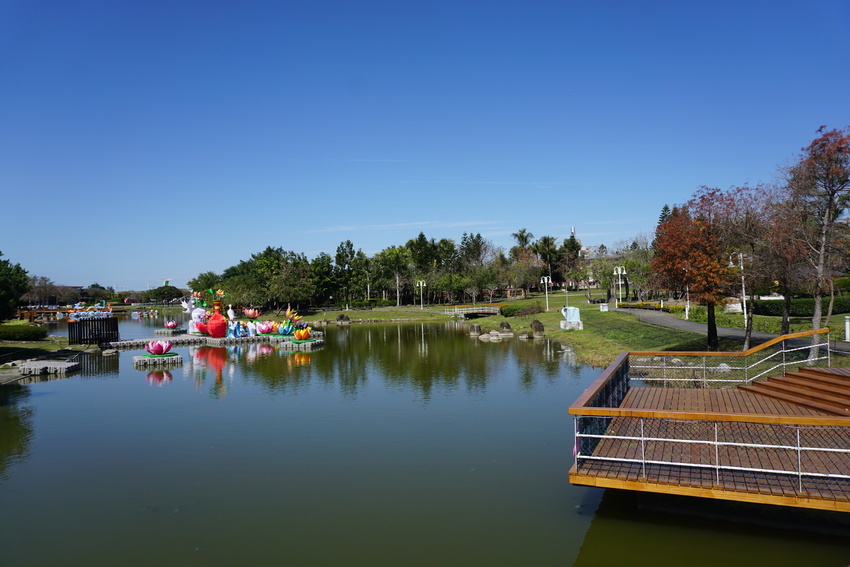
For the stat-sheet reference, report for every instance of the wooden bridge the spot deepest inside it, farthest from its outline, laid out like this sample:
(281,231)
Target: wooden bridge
(733,426)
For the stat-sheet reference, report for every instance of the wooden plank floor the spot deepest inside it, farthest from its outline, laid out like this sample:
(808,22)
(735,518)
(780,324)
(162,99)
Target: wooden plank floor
(687,478)
(729,400)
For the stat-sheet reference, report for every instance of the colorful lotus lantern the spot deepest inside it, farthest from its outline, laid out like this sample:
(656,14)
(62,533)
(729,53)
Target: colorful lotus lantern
(265,327)
(286,328)
(302,334)
(158,348)
(252,313)
(170,324)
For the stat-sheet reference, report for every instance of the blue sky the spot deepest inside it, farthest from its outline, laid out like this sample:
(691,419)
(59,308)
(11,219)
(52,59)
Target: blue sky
(141,141)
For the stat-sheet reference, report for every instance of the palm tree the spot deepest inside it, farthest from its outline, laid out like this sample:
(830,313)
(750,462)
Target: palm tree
(546,249)
(523,238)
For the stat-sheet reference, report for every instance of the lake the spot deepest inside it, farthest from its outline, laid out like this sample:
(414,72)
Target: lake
(400,444)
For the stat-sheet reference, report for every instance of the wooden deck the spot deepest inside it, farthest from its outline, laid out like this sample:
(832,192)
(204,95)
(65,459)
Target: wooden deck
(726,400)
(732,443)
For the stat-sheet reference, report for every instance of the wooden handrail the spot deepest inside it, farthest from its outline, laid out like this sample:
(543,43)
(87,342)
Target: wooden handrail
(600,382)
(747,352)
(580,407)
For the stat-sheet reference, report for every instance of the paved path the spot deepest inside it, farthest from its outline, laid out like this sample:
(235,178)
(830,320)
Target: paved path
(664,319)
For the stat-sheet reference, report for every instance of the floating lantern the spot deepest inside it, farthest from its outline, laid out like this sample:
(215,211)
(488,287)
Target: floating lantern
(252,313)
(265,327)
(302,334)
(158,348)
(171,324)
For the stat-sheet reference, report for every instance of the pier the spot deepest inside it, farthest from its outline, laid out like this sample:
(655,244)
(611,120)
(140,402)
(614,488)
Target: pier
(711,425)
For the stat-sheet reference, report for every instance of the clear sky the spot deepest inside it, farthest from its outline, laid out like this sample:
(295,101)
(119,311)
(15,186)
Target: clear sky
(145,140)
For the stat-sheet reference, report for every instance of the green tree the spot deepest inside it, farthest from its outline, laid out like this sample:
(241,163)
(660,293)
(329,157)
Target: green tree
(205,280)
(13,284)
(523,238)
(344,269)
(322,276)
(162,293)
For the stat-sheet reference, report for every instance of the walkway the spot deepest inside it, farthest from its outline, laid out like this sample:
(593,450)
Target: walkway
(664,319)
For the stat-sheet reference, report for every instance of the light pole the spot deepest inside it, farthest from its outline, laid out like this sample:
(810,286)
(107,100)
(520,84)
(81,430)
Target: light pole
(743,290)
(620,271)
(421,285)
(546,281)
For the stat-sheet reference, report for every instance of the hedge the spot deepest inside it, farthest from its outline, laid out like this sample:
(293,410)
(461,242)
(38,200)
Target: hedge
(520,310)
(509,310)
(22,333)
(802,307)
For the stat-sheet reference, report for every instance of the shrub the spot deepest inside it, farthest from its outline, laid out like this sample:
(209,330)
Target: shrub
(22,333)
(802,307)
(530,310)
(509,310)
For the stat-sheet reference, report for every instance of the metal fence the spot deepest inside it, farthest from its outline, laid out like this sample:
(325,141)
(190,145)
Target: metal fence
(712,369)
(793,458)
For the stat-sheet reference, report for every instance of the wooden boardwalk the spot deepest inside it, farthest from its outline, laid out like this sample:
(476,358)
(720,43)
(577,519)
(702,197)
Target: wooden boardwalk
(726,443)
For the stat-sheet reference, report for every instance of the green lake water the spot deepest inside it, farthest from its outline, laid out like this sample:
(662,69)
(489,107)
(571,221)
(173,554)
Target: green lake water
(391,445)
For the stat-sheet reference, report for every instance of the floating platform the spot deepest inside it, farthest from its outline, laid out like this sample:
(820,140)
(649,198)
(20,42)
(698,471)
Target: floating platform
(170,332)
(48,367)
(143,361)
(317,339)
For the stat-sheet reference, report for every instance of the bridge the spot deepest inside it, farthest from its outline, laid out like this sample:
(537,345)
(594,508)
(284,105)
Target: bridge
(732,426)
(464,310)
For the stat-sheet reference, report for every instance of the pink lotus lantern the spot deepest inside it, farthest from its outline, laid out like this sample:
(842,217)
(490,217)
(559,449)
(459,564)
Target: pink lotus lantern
(158,348)
(265,327)
(252,313)
(170,324)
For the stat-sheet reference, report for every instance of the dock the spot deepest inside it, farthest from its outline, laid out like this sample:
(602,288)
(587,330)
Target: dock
(764,426)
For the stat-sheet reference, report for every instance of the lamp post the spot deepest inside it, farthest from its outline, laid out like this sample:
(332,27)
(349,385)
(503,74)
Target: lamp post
(546,281)
(620,271)
(421,285)
(743,290)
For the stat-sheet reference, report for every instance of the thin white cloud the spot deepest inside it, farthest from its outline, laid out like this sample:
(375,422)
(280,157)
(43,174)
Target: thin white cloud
(403,225)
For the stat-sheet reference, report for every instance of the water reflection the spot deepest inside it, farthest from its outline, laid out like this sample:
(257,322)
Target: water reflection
(15,425)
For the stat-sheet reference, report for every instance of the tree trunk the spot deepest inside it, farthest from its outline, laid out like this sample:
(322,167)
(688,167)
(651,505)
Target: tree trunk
(786,310)
(713,343)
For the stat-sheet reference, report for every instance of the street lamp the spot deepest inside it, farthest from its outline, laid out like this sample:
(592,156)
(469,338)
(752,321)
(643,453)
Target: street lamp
(743,290)
(620,271)
(421,285)
(546,281)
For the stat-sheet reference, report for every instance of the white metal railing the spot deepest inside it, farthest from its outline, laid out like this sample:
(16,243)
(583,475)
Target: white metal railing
(472,309)
(730,368)
(833,441)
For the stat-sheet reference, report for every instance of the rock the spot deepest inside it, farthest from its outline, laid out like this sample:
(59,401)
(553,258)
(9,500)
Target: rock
(505,326)
(536,329)
(474,330)
(524,336)
(484,337)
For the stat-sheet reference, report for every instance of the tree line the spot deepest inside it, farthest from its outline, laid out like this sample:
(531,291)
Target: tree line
(788,237)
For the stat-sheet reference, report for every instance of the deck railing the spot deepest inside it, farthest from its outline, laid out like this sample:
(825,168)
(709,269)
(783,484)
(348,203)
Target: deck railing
(805,454)
(724,368)
(796,458)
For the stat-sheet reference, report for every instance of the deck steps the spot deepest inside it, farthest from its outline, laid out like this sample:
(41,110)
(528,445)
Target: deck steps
(822,389)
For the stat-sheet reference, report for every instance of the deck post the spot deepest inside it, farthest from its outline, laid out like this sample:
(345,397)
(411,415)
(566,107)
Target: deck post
(799,461)
(642,449)
(716,454)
